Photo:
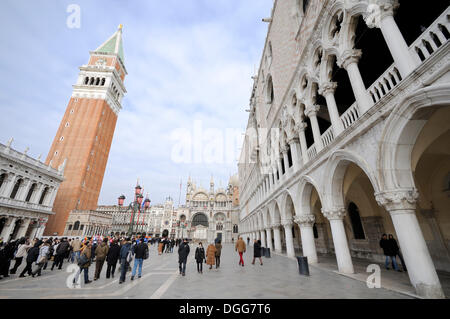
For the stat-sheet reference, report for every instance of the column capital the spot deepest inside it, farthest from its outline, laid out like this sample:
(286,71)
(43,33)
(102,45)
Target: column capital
(399,199)
(300,127)
(327,88)
(378,11)
(305,220)
(347,57)
(276,225)
(287,222)
(335,213)
(293,140)
(311,110)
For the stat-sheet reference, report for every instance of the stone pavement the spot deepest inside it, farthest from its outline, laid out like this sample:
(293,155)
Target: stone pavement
(277,278)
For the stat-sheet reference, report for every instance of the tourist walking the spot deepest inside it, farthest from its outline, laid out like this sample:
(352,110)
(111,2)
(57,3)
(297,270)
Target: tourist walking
(125,259)
(140,253)
(396,250)
(248,241)
(218,252)
(257,251)
(44,253)
(32,257)
(60,253)
(389,252)
(200,257)
(85,261)
(24,246)
(111,258)
(160,247)
(240,248)
(211,255)
(76,247)
(100,255)
(183,252)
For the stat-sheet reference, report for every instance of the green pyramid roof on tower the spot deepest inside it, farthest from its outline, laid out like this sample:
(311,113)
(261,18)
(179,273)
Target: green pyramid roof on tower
(113,45)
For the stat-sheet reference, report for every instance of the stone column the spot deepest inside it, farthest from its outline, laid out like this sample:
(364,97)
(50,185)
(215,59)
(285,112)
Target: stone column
(269,238)
(349,61)
(344,259)
(8,228)
(311,112)
(287,224)
(294,144)
(327,90)
(286,161)
(277,236)
(280,170)
(384,20)
(37,193)
(306,222)
(9,182)
(23,189)
(401,205)
(302,137)
(23,228)
(263,237)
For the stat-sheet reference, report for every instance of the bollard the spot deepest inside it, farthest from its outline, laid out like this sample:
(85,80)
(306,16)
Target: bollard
(267,255)
(303,267)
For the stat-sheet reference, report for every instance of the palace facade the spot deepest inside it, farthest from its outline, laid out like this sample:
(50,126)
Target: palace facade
(348,135)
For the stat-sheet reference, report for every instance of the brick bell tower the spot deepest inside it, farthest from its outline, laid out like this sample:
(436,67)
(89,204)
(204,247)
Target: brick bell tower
(86,131)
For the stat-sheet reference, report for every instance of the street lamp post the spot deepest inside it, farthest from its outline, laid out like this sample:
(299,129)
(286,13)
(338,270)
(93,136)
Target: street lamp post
(135,206)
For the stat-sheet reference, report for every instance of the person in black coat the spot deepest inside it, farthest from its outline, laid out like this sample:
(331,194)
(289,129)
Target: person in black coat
(389,250)
(396,250)
(140,251)
(200,257)
(32,257)
(183,252)
(6,255)
(111,258)
(61,252)
(257,251)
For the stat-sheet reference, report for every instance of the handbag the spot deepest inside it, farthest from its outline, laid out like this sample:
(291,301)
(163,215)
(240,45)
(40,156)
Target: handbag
(130,256)
(83,260)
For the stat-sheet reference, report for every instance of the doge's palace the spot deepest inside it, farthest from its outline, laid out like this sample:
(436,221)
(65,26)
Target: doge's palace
(347,137)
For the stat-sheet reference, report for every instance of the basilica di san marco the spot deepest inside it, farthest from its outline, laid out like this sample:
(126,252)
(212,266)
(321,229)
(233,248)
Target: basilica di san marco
(340,188)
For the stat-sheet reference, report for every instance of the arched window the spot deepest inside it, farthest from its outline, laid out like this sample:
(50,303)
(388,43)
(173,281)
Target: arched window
(76,226)
(16,188)
(200,219)
(103,81)
(86,80)
(355,218)
(44,193)
(92,81)
(235,229)
(2,179)
(30,192)
(269,91)
(70,227)
(219,226)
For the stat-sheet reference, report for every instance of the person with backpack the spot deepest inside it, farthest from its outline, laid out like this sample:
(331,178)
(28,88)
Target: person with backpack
(183,252)
(200,257)
(44,253)
(100,255)
(32,257)
(111,258)
(126,257)
(60,252)
(85,261)
(140,253)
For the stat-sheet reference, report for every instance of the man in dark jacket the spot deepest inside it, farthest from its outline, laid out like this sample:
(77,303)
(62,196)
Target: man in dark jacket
(183,252)
(389,252)
(140,252)
(6,255)
(111,258)
(257,251)
(61,252)
(32,257)
(124,264)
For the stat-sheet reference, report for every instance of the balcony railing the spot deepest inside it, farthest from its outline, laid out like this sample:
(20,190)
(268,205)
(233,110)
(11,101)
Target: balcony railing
(18,204)
(327,137)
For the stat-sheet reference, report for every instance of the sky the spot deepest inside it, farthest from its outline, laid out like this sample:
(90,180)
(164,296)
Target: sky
(189,66)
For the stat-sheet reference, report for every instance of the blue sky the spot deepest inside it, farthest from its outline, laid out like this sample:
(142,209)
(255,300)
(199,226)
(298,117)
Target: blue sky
(189,64)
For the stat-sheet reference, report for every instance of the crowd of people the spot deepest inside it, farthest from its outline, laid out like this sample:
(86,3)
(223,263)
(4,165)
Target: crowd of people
(39,253)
